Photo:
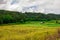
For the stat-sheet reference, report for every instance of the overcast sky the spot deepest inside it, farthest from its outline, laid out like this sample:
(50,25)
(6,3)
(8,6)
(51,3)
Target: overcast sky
(45,6)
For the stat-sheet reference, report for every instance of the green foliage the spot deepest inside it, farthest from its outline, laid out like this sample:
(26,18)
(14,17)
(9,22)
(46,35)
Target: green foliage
(13,17)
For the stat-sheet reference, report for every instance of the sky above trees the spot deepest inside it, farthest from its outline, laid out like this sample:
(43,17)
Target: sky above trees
(45,6)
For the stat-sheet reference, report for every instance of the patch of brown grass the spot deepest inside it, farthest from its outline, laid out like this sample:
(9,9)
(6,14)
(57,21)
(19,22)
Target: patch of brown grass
(29,33)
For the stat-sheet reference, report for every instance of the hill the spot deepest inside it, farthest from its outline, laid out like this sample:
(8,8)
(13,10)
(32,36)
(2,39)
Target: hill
(13,17)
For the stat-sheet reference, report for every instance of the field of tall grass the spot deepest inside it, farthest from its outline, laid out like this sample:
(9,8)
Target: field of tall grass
(30,31)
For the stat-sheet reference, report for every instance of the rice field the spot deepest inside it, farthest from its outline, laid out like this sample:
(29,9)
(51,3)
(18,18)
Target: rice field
(30,31)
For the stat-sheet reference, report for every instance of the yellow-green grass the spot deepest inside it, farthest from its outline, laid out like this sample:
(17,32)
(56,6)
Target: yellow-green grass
(29,32)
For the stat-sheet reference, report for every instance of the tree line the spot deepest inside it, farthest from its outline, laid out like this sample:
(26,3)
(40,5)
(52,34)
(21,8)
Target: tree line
(13,17)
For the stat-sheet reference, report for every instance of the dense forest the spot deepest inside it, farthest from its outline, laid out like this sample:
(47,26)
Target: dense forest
(13,17)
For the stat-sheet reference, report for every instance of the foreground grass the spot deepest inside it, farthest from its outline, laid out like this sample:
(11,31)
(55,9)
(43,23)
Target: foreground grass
(30,32)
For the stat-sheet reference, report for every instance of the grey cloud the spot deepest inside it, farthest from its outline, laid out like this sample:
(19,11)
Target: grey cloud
(45,6)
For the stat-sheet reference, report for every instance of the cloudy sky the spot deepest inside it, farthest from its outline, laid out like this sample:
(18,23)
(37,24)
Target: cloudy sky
(45,6)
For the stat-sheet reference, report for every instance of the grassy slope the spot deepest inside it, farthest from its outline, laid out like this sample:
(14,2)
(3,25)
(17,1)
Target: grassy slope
(30,31)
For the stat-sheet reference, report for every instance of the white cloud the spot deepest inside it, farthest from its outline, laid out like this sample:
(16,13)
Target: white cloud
(46,6)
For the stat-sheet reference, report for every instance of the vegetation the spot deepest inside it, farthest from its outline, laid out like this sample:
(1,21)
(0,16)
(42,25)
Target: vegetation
(29,32)
(29,26)
(14,17)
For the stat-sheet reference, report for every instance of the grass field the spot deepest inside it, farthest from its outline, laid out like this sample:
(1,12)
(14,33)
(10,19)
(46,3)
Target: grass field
(30,31)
